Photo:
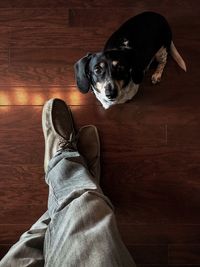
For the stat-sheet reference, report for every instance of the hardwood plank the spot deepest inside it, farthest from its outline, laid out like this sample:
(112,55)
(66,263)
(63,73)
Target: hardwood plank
(45,74)
(40,3)
(91,38)
(74,3)
(149,254)
(22,213)
(34,17)
(24,194)
(34,4)
(159,234)
(91,17)
(19,133)
(181,26)
(59,37)
(38,95)
(9,234)
(4,57)
(183,135)
(21,193)
(21,176)
(4,37)
(156,188)
(168,265)
(136,113)
(184,254)
(52,66)
(184,265)
(144,5)
(46,55)
(165,205)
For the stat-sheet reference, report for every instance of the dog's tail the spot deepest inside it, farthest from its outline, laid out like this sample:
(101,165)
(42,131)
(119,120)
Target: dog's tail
(177,57)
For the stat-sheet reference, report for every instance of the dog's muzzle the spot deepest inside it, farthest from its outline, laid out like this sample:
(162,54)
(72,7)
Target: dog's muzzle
(111,92)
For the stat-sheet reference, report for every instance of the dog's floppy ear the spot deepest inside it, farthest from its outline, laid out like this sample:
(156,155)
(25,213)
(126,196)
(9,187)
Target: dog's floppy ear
(81,69)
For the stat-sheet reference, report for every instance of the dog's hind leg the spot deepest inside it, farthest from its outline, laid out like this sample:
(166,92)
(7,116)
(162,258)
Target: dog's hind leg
(161,57)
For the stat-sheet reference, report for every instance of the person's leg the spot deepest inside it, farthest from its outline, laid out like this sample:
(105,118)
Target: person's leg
(82,230)
(94,203)
(28,251)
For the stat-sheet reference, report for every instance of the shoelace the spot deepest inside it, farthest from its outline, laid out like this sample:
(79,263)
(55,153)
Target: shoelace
(68,144)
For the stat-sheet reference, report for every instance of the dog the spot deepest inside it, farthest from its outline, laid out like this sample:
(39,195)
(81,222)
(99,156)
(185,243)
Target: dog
(115,73)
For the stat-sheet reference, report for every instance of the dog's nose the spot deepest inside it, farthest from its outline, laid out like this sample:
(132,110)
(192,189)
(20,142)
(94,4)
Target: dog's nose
(110,91)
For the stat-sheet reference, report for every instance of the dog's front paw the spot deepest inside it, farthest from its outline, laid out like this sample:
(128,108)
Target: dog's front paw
(156,78)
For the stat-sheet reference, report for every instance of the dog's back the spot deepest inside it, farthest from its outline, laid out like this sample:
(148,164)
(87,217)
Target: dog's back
(144,34)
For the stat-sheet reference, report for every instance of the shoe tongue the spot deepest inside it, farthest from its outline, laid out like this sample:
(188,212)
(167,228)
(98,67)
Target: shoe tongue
(63,124)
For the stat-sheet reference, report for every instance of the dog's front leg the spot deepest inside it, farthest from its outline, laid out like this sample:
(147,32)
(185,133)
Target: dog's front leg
(161,57)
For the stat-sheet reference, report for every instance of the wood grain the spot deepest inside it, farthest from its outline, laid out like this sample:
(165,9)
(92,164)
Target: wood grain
(149,254)
(81,17)
(59,37)
(168,5)
(184,254)
(4,37)
(159,234)
(34,17)
(149,146)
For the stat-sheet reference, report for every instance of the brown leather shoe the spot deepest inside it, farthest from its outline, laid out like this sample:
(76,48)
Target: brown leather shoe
(58,128)
(88,145)
(59,133)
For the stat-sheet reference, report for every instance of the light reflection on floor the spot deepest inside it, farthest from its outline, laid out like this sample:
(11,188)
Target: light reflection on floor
(21,96)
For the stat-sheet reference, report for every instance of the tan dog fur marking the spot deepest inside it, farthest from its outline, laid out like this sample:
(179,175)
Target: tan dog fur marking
(161,57)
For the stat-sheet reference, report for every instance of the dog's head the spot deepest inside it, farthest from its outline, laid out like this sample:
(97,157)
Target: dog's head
(108,74)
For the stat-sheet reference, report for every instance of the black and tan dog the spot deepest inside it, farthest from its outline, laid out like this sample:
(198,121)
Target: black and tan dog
(114,75)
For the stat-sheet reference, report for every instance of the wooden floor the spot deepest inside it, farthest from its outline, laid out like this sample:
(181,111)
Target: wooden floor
(150,146)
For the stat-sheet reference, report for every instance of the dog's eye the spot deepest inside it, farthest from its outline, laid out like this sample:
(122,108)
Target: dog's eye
(98,70)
